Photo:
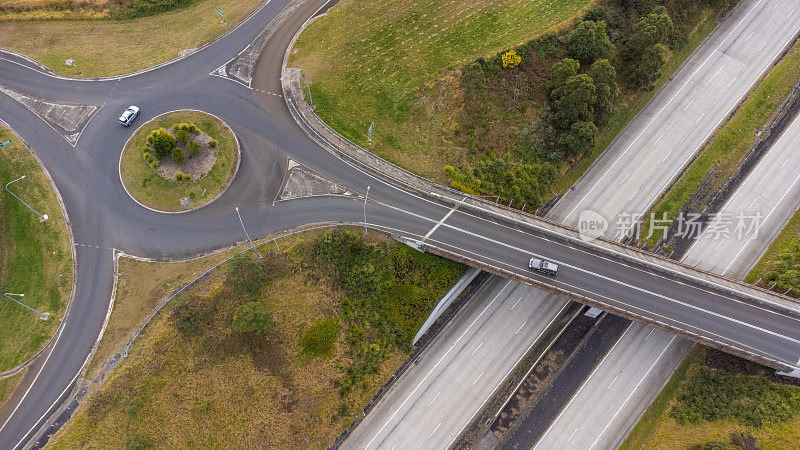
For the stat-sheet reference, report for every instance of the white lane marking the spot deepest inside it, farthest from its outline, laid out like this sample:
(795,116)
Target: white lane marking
(594,371)
(662,110)
(648,334)
(699,118)
(479,377)
(762,46)
(434,430)
(659,138)
(731,82)
(634,195)
(439,223)
(434,398)
(667,156)
(688,104)
(753,202)
(776,5)
(749,36)
(515,303)
(612,382)
(720,243)
(784,163)
(623,179)
(503,380)
(632,392)
(476,349)
(520,327)
(573,434)
(437,365)
(717,72)
(755,235)
(790,14)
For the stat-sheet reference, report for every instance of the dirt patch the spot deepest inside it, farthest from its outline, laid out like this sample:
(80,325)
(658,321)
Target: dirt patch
(197,164)
(716,359)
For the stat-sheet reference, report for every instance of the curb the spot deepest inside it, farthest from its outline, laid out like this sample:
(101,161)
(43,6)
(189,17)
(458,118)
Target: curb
(13,371)
(230,182)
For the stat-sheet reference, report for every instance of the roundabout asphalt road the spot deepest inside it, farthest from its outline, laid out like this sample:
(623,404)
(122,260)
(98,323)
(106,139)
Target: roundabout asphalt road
(105,220)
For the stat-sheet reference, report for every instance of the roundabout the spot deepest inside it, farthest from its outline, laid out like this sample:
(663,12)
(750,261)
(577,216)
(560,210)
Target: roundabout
(179,161)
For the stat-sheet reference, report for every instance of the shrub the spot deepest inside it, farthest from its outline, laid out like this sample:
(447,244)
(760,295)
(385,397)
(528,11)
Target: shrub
(177,155)
(511,59)
(212,143)
(162,142)
(193,146)
(252,318)
(191,318)
(589,41)
(319,338)
(188,127)
(247,275)
(180,176)
(154,164)
(181,135)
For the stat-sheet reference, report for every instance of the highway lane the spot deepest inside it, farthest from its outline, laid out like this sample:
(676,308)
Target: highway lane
(662,138)
(103,217)
(767,198)
(431,411)
(643,365)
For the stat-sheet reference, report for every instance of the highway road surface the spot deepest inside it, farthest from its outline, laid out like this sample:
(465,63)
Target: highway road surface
(631,375)
(105,219)
(662,138)
(431,409)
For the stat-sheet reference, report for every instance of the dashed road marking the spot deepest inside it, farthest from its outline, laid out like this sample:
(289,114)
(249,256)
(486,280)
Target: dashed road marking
(267,92)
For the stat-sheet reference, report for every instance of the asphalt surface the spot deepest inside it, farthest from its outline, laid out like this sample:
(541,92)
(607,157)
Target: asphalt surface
(662,138)
(431,409)
(104,218)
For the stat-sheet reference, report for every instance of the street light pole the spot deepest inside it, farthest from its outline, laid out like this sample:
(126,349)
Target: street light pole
(246,234)
(42,316)
(365,211)
(42,218)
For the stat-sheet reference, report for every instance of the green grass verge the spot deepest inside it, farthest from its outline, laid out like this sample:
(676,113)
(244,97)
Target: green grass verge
(152,190)
(8,385)
(701,405)
(213,387)
(367,61)
(35,257)
(781,262)
(127,45)
(730,143)
(628,106)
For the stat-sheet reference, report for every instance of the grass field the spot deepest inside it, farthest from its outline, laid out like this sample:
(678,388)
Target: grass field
(731,141)
(35,259)
(781,262)
(152,190)
(216,388)
(7,386)
(127,45)
(372,70)
(659,428)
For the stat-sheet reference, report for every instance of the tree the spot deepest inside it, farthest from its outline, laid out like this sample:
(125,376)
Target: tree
(574,100)
(511,59)
(644,53)
(162,142)
(177,156)
(252,318)
(648,69)
(247,275)
(581,137)
(589,41)
(605,81)
(560,71)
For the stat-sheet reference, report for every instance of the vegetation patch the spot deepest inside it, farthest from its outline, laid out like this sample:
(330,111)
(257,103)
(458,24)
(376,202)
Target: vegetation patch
(722,155)
(779,268)
(180,155)
(704,407)
(225,364)
(522,124)
(35,256)
(135,34)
